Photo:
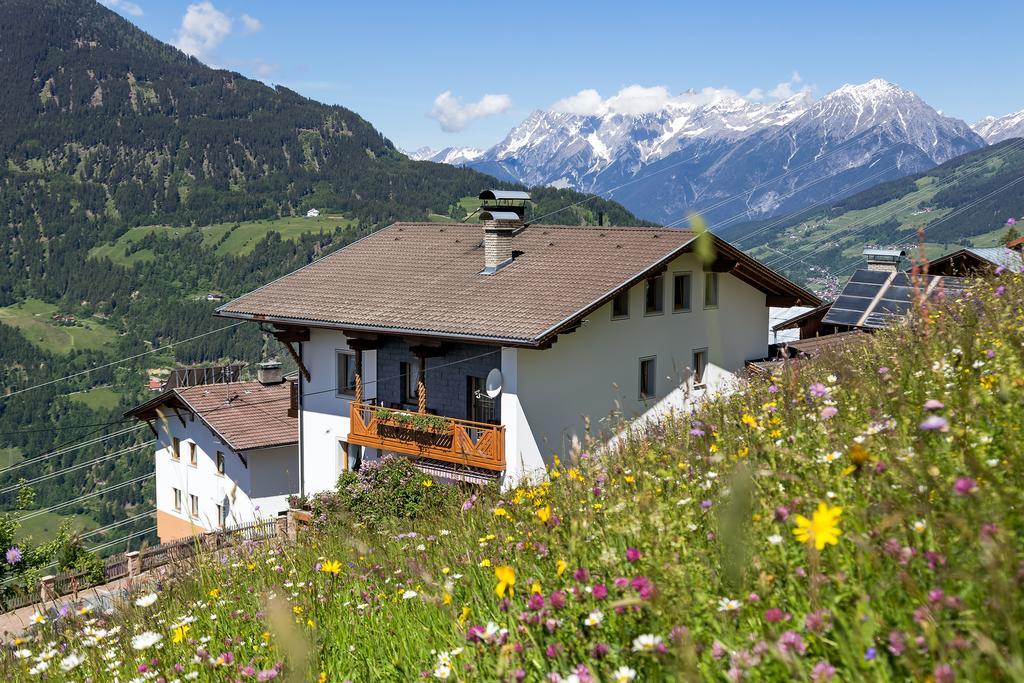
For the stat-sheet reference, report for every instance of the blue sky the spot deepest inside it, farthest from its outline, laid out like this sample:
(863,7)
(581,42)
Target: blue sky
(392,61)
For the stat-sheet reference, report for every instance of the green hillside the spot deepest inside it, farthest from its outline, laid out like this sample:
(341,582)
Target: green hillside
(135,180)
(964,202)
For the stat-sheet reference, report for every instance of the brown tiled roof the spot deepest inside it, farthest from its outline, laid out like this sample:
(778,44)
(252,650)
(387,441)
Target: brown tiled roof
(424,278)
(814,345)
(245,415)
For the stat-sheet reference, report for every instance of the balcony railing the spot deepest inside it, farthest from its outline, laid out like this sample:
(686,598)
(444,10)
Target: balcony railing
(429,436)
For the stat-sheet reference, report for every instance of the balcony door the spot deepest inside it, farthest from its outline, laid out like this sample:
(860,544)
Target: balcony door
(481,406)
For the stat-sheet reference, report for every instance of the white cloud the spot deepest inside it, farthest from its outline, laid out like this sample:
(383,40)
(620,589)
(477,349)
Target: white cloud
(584,103)
(125,6)
(203,29)
(454,115)
(634,100)
(251,24)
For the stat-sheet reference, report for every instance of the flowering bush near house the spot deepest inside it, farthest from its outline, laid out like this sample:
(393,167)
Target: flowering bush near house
(857,517)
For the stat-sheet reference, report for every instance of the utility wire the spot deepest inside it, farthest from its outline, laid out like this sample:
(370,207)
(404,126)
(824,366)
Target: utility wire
(70,449)
(73,468)
(122,360)
(130,482)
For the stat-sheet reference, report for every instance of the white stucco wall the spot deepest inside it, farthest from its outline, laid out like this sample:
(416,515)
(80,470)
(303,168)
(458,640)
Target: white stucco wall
(324,416)
(254,492)
(595,370)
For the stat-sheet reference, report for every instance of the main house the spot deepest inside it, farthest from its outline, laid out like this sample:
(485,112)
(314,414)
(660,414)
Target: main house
(226,452)
(483,350)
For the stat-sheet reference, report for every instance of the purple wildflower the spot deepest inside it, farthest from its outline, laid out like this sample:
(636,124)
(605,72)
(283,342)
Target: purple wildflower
(791,641)
(818,390)
(632,554)
(13,555)
(828,412)
(933,404)
(965,486)
(935,423)
(822,672)
(870,654)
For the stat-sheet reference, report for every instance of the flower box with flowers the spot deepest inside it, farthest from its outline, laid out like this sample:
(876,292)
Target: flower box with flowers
(415,427)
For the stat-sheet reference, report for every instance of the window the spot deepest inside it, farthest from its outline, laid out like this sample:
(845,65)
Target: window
(222,516)
(220,463)
(176,448)
(647,379)
(346,373)
(481,406)
(620,305)
(410,376)
(654,295)
(194,505)
(710,290)
(682,283)
(700,364)
(193,454)
(177,499)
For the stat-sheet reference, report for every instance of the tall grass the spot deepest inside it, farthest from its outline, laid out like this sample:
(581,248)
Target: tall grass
(692,553)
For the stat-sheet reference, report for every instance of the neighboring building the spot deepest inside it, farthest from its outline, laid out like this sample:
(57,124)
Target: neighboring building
(404,337)
(877,295)
(976,260)
(312,213)
(215,296)
(807,325)
(226,453)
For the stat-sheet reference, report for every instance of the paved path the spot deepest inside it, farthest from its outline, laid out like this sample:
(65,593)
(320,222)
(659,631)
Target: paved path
(98,597)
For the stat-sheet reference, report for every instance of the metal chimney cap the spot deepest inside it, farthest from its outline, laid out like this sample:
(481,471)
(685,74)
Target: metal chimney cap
(885,253)
(510,216)
(513,195)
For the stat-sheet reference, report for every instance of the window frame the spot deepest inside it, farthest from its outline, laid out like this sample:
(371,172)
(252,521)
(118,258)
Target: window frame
(653,360)
(177,498)
(193,505)
(711,276)
(409,385)
(175,448)
(220,462)
(622,297)
(350,361)
(222,516)
(193,454)
(659,290)
(699,379)
(688,274)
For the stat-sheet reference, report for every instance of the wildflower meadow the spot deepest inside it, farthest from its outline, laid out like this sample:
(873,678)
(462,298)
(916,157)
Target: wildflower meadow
(856,516)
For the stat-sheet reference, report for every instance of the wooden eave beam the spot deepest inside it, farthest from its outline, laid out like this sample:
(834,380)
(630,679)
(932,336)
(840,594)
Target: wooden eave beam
(781,301)
(178,413)
(721,264)
(289,336)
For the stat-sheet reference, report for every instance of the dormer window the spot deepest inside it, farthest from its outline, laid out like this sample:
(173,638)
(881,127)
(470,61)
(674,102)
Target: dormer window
(620,305)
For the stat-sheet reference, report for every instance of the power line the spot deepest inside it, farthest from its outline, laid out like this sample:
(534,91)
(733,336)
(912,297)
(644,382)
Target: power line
(36,513)
(868,219)
(70,449)
(61,429)
(109,544)
(73,468)
(122,360)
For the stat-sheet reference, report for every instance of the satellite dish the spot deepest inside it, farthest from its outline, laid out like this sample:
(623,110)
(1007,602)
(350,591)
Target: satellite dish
(493,385)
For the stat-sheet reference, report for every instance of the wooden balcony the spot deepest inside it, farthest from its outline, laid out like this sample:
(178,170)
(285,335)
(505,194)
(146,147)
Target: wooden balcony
(428,436)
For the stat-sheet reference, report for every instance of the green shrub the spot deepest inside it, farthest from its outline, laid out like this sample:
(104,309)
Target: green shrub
(390,488)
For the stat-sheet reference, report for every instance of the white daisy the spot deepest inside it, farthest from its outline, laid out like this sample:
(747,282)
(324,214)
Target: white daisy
(647,642)
(146,600)
(146,640)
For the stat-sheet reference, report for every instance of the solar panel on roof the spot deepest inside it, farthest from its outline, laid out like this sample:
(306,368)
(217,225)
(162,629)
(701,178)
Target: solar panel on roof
(861,289)
(835,317)
(871,276)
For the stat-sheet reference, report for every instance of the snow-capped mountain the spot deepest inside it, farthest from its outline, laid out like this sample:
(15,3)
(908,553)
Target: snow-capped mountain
(728,157)
(998,128)
(456,156)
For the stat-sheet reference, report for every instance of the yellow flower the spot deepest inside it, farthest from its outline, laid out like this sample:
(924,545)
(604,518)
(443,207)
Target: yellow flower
(331,567)
(500,512)
(322,678)
(180,633)
(544,513)
(485,562)
(560,567)
(535,588)
(629,478)
(821,529)
(428,483)
(858,455)
(575,475)
(464,615)
(447,598)
(749,420)
(297,609)
(506,580)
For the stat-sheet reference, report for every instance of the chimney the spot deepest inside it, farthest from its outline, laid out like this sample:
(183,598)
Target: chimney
(270,372)
(885,260)
(501,212)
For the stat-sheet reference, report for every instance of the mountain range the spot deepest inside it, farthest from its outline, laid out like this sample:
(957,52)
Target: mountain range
(733,158)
